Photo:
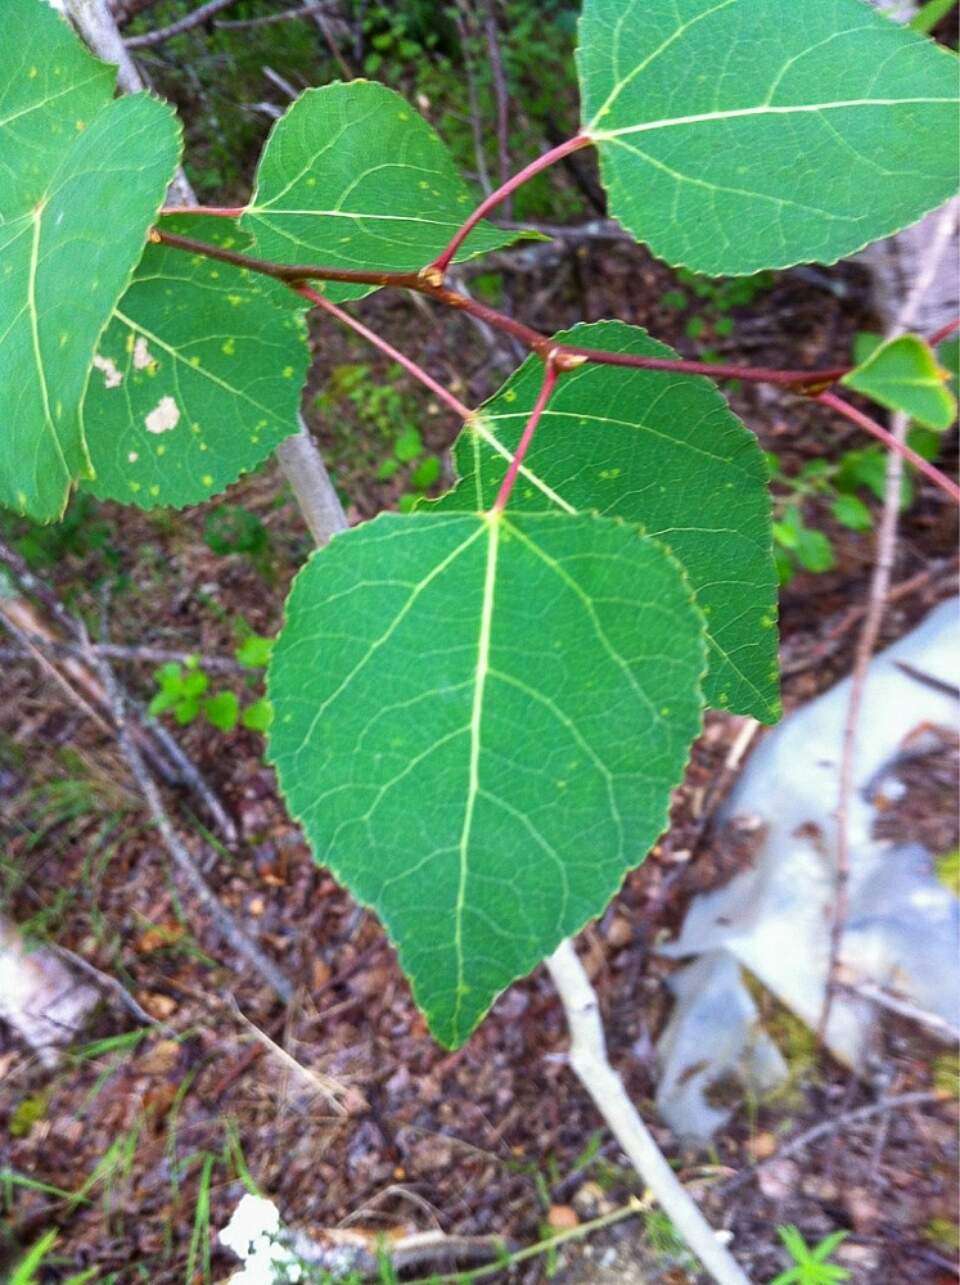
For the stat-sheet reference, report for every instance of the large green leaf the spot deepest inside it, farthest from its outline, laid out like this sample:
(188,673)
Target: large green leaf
(903,374)
(353,177)
(744,134)
(197,378)
(78,192)
(663,451)
(478,722)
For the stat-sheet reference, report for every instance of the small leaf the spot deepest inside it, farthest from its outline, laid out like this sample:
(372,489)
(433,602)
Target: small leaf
(479,722)
(222,710)
(746,134)
(198,377)
(659,450)
(408,446)
(257,716)
(254,651)
(352,177)
(426,474)
(850,511)
(814,551)
(902,374)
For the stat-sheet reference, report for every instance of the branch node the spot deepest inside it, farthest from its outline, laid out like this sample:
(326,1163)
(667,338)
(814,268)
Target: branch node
(431,275)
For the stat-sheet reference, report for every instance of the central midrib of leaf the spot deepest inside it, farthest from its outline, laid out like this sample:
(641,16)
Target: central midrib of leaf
(476,726)
(36,219)
(478,721)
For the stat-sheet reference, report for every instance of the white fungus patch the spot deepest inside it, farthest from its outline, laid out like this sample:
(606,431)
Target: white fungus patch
(142,357)
(133,457)
(164,416)
(111,376)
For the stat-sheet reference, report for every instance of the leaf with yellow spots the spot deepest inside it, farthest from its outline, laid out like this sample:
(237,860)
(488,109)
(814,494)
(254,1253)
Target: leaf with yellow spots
(735,135)
(197,378)
(660,450)
(68,154)
(352,177)
(479,720)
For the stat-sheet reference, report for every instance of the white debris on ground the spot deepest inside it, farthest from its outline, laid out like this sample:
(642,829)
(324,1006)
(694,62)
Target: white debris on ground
(255,1235)
(40,999)
(903,927)
(714,1012)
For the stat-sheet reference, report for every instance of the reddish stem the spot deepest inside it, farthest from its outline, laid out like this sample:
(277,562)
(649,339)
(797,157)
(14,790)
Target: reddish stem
(550,376)
(755,374)
(217,211)
(870,426)
(809,381)
(406,362)
(944,332)
(438,267)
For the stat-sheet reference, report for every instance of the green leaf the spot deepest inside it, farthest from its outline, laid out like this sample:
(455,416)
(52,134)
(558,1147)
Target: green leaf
(929,14)
(408,446)
(865,344)
(353,177)
(949,356)
(478,722)
(257,716)
(814,551)
(851,512)
(222,710)
(744,134)
(660,450)
(197,378)
(68,155)
(426,474)
(903,375)
(254,652)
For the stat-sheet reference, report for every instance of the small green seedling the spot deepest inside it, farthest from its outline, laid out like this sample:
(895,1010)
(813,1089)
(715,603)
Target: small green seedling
(810,1266)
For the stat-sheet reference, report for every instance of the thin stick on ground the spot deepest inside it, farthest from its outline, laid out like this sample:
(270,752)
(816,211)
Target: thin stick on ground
(922,1097)
(109,984)
(876,605)
(502,98)
(193,19)
(588,1060)
(461,19)
(164,752)
(287,15)
(225,924)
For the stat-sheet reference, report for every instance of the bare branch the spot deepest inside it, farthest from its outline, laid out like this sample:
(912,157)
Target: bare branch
(877,601)
(588,1060)
(225,924)
(187,23)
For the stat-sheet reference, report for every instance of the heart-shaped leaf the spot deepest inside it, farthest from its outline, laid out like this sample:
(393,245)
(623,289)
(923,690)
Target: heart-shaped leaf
(903,374)
(663,451)
(478,721)
(744,134)
(197,378)
(81,179)
(353,177)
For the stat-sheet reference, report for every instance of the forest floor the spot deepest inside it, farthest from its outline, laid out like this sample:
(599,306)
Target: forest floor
(382,1130)
(137,1147)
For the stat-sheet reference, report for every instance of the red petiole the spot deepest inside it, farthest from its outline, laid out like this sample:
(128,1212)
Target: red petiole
(871,426)
(551,372)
